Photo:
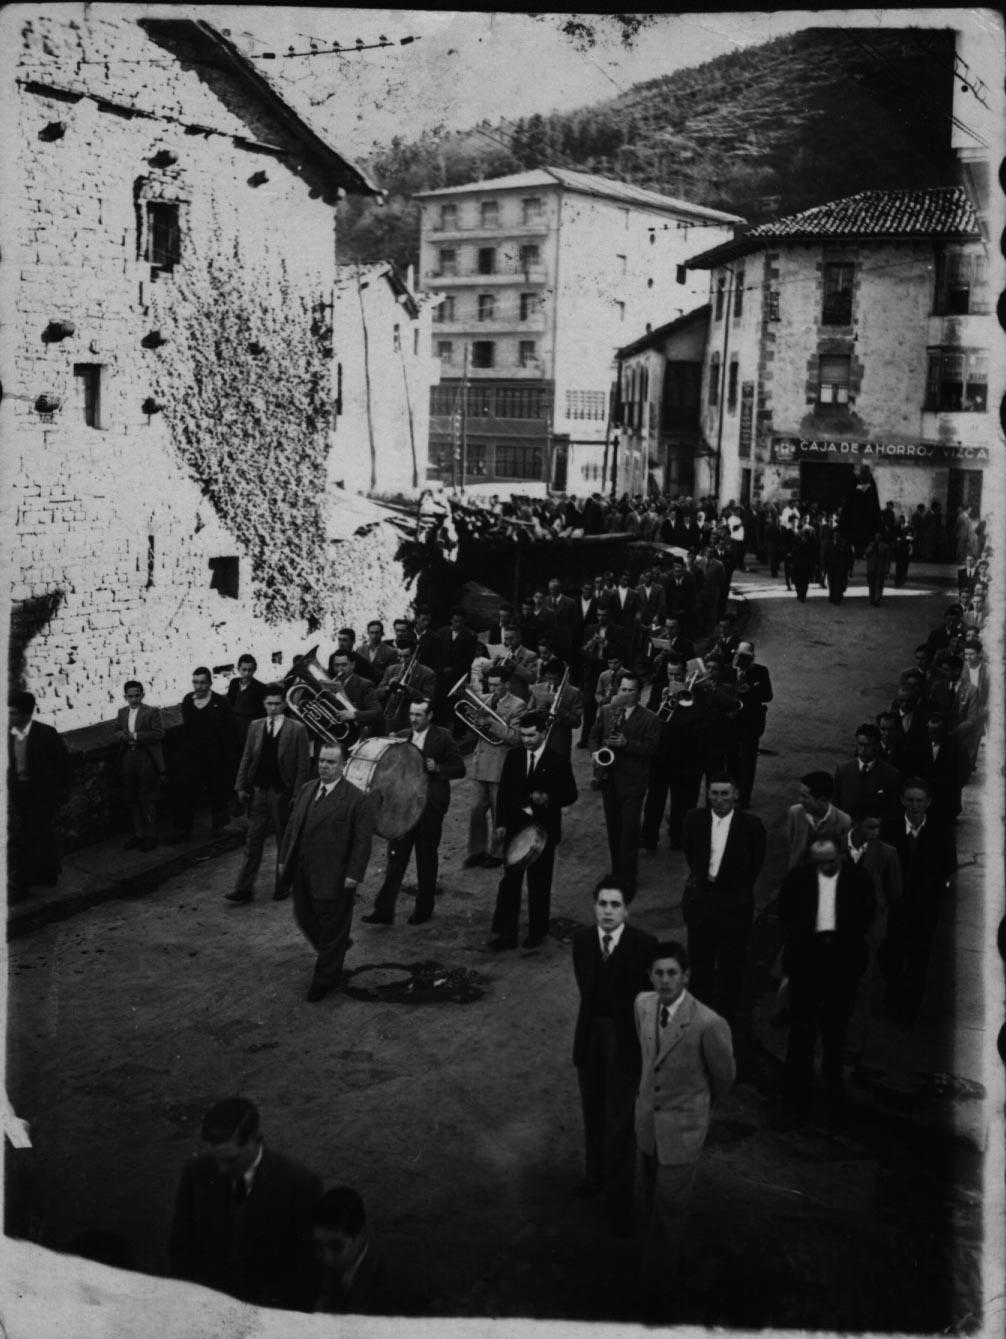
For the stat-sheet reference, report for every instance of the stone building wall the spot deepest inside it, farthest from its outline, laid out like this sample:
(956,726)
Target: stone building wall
(185,524)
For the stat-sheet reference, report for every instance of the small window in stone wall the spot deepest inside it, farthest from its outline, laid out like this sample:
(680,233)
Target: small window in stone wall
(833,380)
(87,384)
(163,236)
(225,576)
(836,308)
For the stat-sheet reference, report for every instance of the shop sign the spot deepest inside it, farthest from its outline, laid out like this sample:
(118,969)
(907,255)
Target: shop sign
(787,449)
(747,419)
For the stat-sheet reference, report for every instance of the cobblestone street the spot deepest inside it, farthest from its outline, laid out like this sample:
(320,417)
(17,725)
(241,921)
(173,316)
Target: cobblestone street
(440,1081)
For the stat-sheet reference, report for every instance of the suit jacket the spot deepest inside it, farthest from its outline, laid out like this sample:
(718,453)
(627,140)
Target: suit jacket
(880,862)
(855,904)
(627,970)
(579,622)
(732,895)
(684,1071)
(360,692)
(568,715)
(881,785)
(926,870)
(630,772)
(247,704)
(612,644)
(627,615)
(652,604)
(750,720)
(328,842)
(149,732)
(680,599)
(293,755)
(422,684)
(48,762)
(800,833)
(553,774)
(524,670)
(259,1251)
(456,653)
(961,704)
(430,652)
(563,606)
(221,729)
(359,666)
(440,746)
(487,760)
(377,658)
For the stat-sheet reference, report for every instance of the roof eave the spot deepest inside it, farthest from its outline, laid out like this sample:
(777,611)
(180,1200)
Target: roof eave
(722,255)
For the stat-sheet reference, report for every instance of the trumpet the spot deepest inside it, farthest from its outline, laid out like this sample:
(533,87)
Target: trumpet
(478,716)
(316,699)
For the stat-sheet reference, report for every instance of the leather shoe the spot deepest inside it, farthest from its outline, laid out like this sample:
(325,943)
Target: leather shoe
(280,895)
(417,919)
(502,942)
(238,897)
(132,844)
(533,941)
(315,992)
(375,918)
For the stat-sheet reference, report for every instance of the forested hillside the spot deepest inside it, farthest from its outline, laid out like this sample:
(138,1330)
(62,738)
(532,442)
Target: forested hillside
(760,132)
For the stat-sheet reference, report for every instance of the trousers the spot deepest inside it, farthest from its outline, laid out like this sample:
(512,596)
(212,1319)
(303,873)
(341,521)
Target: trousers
(141,786)
(607,1097)
(325,923)
(267,810)
(425,839)
(539,897)
(667,1189)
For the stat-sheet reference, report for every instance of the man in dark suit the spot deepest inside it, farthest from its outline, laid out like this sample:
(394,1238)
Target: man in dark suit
(894,749)
(427,640)
(868,778)
(633,735)
(567,708)
(364,716)
(602,640)
(443,765)
(944,766)
(680,761)
(826,908)
(687,1068)
(725,850)
(346,645)
(536,619)
(458,648)
(911,719)
(563,609)
(38,782)
(926,856)
(625,609)
(324,855)
(652,602)
(376,652)
(245,696)
(274,766)
(242,1217)
(207,755)
(536,784)
(680,595)
(940,638)
(611,962)
(581,616)
(139,730)
(754,692)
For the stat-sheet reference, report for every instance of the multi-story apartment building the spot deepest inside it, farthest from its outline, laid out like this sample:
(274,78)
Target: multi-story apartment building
(543,274)
(856,332)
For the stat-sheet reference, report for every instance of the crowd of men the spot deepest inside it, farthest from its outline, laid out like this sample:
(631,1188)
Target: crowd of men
(611,668)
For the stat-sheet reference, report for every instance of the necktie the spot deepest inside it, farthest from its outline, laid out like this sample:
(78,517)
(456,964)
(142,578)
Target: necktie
(530,763)
(665,1015)
(239,1190)
(606,947)
(272,729)
(321,795)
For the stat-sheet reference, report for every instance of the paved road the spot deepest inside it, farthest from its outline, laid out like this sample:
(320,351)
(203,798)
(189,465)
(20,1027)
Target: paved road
(453,1106)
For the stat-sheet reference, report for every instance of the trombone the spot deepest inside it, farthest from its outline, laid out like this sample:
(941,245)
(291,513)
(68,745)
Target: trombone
(553,710)
(478,716)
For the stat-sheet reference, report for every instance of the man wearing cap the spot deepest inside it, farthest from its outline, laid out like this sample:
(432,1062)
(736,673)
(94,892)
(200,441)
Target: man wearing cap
(754,693)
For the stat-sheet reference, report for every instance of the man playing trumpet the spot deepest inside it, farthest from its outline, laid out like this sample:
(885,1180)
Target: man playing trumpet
(624,740)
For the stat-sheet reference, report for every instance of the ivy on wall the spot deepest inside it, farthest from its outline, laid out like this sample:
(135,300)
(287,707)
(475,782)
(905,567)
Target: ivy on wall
(245,386)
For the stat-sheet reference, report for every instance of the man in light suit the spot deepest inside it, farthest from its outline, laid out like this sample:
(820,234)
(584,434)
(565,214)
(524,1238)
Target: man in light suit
(139,730)
(536,784)
(687,1067)
(611,962)
(814,818)
(633,735)
(443,764)
(867,778)
(826,908)
(725,850)
(323,857)
(274,765)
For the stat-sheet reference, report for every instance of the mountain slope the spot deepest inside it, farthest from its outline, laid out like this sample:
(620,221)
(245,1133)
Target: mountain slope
(760,132)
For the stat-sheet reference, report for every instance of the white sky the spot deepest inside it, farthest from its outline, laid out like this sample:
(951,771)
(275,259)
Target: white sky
(467,67)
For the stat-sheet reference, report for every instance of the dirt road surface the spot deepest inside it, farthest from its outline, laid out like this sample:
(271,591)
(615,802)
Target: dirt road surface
(440,1082)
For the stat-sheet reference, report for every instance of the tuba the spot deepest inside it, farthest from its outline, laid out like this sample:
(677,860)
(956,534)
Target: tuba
(478,716)
(314,698)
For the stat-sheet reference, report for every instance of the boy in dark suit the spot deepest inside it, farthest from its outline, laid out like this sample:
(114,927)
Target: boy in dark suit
(611,963)
(536,784)
(242,1219)
(444,764)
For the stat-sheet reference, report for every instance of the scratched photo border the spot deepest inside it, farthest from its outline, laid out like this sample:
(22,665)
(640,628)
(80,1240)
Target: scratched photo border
(126,1303)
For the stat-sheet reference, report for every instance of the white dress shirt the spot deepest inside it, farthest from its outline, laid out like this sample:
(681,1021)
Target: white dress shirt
(672,1009)
(718,834)
(420,739)
(131,720)
(613,935)
(827,885)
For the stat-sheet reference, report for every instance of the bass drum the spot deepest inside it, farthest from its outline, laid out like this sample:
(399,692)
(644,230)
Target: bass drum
(393,774)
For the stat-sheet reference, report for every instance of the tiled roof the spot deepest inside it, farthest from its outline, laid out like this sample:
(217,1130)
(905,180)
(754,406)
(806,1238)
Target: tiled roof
(939,211)
(585,183)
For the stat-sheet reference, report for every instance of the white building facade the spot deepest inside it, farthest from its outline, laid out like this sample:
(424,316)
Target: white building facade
(543,274)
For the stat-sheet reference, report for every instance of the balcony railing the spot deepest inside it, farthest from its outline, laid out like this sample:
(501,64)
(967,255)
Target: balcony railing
(512,272)
(465,324)
(508,228)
